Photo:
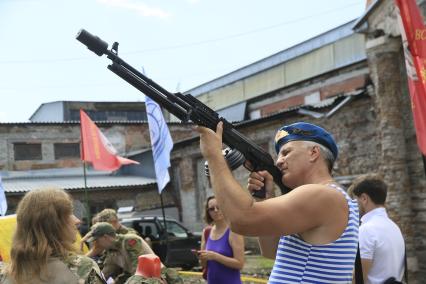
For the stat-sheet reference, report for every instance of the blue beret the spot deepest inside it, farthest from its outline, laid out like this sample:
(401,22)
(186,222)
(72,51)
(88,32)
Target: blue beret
(303,131)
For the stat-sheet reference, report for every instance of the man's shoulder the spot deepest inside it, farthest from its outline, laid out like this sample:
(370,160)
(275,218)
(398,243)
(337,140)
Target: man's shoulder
(131,241)
(126,230)
(129,236)
(380,225)
(82,265)
(320,193)
(79,260)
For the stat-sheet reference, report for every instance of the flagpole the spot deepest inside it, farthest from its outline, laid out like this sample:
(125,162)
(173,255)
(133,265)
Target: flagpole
(83,157)
(165,225)
(86,194)
(96,149)
(424,163)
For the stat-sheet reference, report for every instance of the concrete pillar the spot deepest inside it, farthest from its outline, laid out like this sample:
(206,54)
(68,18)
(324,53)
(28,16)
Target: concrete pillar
(384,59)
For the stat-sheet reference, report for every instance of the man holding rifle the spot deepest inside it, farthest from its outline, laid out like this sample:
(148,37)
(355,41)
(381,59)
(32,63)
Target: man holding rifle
(312,231)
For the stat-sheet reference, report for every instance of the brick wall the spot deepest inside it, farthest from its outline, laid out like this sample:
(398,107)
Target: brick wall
(125,137)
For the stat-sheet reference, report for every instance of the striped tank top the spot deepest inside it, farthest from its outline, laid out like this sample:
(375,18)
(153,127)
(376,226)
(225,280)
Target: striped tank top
(300,262)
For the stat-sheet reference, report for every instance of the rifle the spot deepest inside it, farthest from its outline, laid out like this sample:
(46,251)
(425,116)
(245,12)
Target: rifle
(186,108)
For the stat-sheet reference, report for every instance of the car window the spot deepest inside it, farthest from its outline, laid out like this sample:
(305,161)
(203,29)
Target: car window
(176,230)
(149,229)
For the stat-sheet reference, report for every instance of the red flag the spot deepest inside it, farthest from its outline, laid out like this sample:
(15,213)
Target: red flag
(97,149)
(413,34)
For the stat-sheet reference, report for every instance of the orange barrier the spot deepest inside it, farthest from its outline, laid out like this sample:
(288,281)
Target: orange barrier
(149,265)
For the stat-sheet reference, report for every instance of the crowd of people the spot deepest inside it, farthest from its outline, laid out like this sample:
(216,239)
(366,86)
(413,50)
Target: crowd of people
(44,246)
(313,232)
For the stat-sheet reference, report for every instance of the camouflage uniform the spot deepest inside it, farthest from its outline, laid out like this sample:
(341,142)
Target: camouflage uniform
(75,269)
(121,259)
(123,230)
(168,276)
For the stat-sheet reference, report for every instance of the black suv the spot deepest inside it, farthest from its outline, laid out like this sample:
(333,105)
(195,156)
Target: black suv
(180,240)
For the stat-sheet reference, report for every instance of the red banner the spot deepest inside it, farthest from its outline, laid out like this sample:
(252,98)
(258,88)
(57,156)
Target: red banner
(96,148)
(413,34)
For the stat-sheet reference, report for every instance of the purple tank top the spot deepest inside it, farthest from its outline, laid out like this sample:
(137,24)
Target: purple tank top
(218,273)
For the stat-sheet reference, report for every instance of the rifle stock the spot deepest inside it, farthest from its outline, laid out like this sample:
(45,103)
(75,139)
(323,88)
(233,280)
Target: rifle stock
(186,108)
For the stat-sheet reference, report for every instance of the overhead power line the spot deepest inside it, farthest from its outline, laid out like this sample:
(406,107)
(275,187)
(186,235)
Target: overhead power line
(171,47)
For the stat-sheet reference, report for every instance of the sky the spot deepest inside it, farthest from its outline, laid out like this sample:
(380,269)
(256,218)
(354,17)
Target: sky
(180,44)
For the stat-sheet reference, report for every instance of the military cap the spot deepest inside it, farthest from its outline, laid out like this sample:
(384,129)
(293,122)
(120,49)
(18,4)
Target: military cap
(303,131)
(100,229)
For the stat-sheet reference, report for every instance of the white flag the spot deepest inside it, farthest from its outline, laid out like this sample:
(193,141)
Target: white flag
(161,141)
(3,202)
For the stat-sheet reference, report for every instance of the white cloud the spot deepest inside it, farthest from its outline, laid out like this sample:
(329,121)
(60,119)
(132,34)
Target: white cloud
(140,8)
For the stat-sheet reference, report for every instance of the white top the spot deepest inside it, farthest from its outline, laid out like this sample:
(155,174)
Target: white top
(380,240)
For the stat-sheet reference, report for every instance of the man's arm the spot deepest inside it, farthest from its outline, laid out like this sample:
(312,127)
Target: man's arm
(366,266)
(136,246)
(300,210)
(367,247)
(258,180)
(203,247)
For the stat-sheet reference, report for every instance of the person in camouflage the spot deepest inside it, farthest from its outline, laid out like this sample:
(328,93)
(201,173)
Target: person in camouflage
(42,247)
(121,251)
(110,215)
(107,215)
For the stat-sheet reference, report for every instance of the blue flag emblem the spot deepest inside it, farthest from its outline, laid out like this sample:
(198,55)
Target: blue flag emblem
(161,141)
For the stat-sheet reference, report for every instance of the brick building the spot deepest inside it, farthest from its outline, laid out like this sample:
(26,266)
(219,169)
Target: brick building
(39,154)
(350,80)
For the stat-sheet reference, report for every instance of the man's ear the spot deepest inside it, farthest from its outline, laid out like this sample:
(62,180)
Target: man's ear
(315,153)
(364,197)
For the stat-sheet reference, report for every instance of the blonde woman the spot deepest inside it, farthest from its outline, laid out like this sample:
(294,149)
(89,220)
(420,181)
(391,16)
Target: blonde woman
(42,249)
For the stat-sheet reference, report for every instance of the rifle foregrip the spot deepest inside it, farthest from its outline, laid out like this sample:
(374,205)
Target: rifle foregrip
(93,43)
(259,193)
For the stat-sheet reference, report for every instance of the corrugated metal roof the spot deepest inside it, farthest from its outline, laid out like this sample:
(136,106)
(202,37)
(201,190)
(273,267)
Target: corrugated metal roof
(68,179)
(307,46)
(73,183)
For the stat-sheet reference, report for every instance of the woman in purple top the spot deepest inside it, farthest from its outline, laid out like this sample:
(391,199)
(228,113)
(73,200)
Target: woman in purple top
(223,251)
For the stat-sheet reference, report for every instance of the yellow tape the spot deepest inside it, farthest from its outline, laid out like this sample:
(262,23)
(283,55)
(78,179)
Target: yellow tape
(7,229)
(243,278)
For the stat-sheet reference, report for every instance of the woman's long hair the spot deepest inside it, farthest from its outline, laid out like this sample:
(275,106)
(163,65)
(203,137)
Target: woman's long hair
(44,229)
(207,218)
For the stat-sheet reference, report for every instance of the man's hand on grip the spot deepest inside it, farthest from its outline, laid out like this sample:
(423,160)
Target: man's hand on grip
(261,180)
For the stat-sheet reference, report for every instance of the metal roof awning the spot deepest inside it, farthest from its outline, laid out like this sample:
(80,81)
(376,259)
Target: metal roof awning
(234,113)
(74,183)
(67,179)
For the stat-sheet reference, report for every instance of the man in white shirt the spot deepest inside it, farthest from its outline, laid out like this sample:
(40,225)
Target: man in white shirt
(381,243)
